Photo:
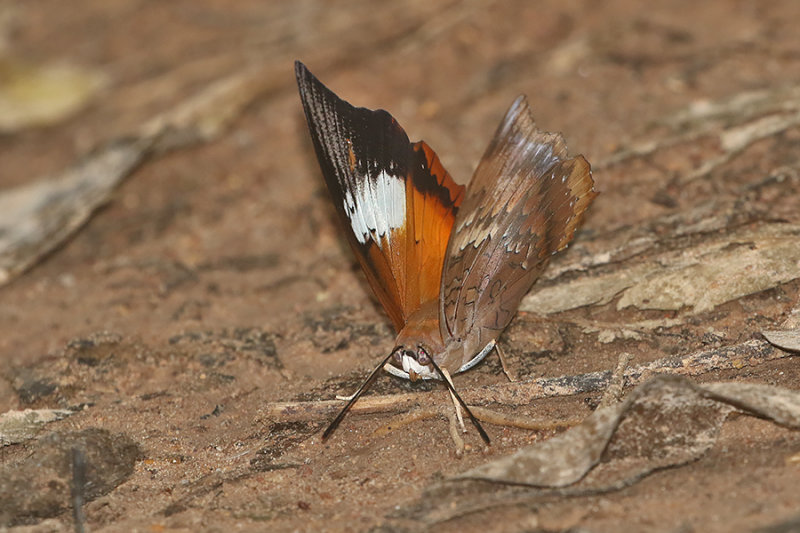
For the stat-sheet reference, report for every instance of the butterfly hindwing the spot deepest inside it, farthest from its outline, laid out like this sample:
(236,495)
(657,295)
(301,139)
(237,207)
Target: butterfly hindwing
(523,204)
(396,200)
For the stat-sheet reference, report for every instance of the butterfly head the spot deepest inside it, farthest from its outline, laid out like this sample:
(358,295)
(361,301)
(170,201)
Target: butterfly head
(416,362)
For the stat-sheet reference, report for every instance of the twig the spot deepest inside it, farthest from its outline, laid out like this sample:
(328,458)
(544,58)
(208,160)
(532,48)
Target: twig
(407,419)
(750,353)
(522,421)
(78,487)
(613,392)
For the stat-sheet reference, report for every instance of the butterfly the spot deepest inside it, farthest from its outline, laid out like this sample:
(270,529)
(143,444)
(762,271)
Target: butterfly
(450,264)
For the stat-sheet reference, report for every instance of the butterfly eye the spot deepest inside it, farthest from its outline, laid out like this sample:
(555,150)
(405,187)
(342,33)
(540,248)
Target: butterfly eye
(397,355)
(422,356)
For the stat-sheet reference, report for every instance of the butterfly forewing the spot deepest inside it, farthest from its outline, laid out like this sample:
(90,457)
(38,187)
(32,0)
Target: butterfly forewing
(523,204)
(396,201)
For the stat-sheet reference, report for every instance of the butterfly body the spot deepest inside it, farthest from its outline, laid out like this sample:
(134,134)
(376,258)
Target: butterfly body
(449,264)
(421,340)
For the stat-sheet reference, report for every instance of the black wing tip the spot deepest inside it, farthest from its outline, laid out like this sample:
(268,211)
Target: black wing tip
(312,91)
(304,76)
(307,82)
(300,70)
(315,95)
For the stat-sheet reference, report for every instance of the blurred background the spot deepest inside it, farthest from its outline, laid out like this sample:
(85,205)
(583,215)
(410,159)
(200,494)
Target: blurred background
(167,245)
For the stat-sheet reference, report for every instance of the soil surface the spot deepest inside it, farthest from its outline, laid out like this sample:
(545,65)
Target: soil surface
(215,280)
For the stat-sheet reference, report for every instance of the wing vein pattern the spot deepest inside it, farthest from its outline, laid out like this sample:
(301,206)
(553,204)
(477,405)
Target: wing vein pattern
(524,203)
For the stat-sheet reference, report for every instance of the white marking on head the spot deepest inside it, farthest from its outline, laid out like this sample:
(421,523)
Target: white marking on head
(379,206)
(409,364)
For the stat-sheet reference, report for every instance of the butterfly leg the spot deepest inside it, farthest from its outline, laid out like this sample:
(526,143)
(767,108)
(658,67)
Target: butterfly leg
(453,426)
(455,418)
(406,419)
(459,415)
(511,377)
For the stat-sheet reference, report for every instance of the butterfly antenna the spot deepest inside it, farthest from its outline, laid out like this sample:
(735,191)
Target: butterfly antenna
(364,386)
(474,420)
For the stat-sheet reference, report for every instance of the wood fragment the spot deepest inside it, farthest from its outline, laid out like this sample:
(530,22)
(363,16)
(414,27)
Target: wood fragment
(613,393)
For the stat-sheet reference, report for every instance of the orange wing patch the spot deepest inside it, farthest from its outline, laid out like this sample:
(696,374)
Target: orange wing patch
(382,276)
(432,200)
(404,267)
(394,197)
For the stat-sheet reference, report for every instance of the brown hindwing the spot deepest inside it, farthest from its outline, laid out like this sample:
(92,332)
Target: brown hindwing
(523,204)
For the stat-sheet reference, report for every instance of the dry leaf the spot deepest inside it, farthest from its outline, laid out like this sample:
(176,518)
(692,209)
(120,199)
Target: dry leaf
(784,339)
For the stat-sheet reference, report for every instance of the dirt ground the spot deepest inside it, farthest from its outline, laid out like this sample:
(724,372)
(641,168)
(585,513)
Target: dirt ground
(215,280)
